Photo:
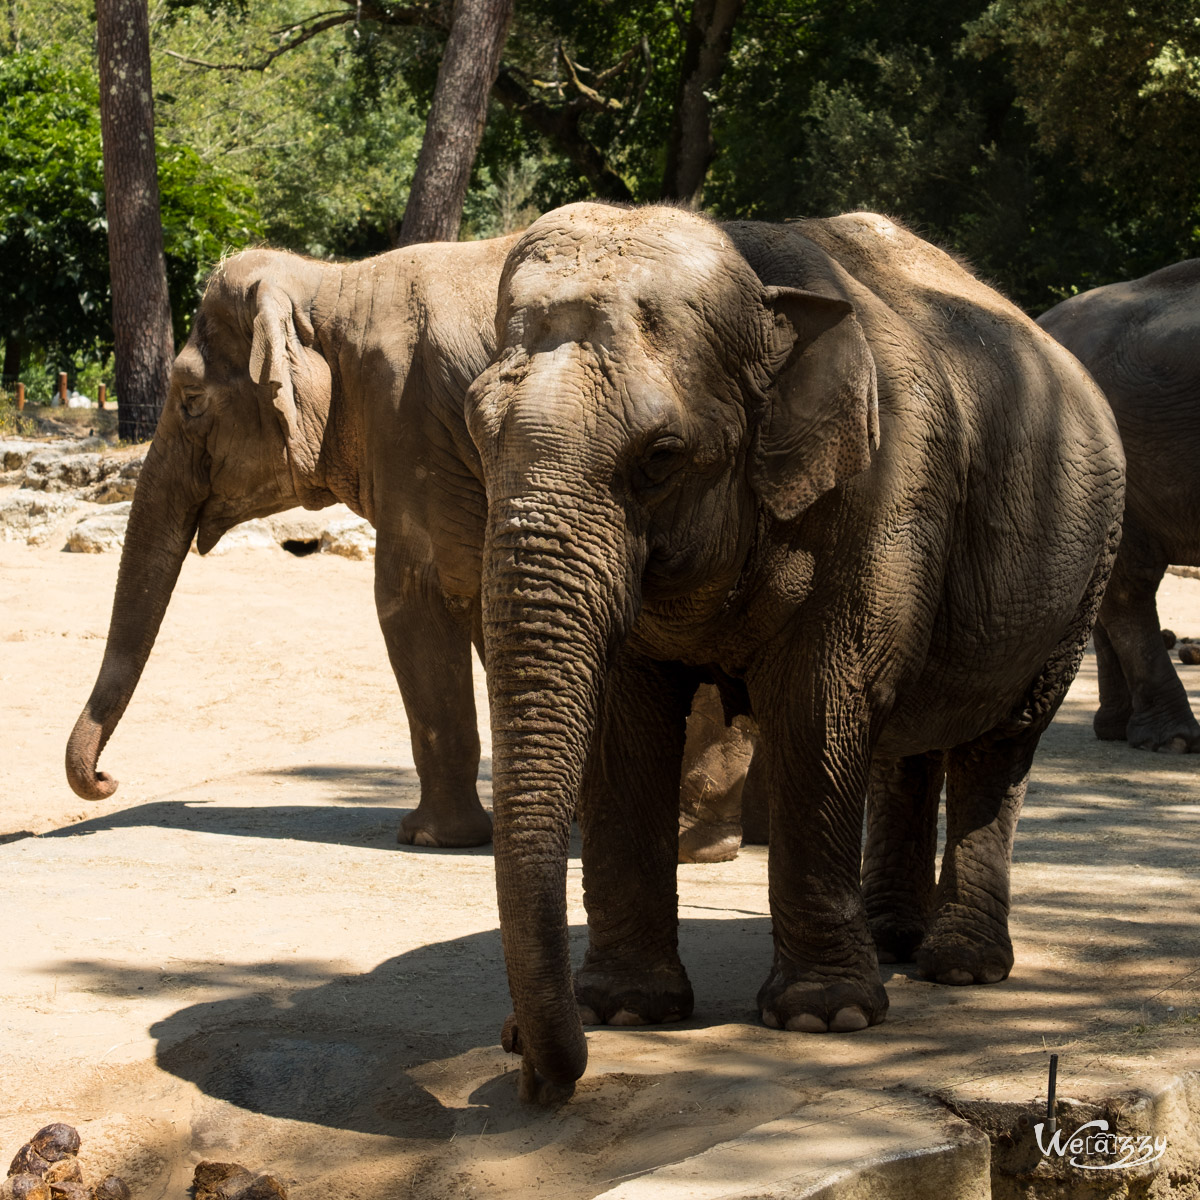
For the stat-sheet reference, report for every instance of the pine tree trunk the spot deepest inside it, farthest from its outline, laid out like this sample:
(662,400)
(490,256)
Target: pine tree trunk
(141,308)
(456,119)
(690,149)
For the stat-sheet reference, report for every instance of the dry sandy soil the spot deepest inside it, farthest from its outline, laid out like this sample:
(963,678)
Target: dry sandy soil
(232,957)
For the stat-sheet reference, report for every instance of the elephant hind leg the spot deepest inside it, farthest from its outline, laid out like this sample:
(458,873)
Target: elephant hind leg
(968,939)
(430,651)
(899,859)
(716,755)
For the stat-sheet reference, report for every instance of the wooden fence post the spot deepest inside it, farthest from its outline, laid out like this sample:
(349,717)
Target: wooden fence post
(103,396)
(20,396)
(62,388)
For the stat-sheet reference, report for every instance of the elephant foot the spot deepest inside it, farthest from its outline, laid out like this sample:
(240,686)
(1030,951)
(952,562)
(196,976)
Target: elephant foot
(709,843)
(1165,733)
(951,956)
(897,937)
(1111,723)
(629,998)
(808,1000)
(439,825)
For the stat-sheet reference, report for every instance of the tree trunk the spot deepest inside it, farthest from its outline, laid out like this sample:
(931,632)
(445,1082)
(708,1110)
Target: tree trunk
(141,308)
(690,149)
(13,353)
(456,119)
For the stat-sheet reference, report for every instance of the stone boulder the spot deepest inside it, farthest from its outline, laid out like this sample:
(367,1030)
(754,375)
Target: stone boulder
(100,533)
(33,517)
(351,537)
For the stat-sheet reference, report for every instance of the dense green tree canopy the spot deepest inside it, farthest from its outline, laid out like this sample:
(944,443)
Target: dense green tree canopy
(1050,141)
(53,240)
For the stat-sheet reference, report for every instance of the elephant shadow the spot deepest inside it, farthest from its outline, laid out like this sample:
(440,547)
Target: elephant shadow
(362,807)
(358,1052)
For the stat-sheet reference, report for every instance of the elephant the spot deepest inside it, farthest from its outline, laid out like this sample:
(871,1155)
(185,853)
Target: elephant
(824,468)
(1139,341)
(306,382)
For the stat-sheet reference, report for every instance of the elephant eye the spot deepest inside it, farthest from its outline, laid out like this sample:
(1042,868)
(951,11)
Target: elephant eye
(195,402)
(662,458)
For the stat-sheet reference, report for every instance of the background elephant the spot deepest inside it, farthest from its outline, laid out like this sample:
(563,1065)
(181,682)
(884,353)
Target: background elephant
(1141,342)
(824,468)
(305,382)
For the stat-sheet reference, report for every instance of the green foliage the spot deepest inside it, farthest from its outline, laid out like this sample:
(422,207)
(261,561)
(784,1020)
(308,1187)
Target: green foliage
(53,230)
(922,112)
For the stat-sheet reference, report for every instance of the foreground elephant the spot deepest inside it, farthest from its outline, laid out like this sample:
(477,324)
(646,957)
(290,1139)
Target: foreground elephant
(309,383)
(1141,342)
(823,466)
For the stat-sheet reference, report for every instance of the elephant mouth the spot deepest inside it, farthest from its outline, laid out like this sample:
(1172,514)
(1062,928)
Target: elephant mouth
(212,527)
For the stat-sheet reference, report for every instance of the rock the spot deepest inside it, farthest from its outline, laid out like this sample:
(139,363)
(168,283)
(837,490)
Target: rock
(71,1190)
(265,1187)
(1189,655)
(112,1187)
(15,454)
(25,1187)
(33,517)
(78,400)
(250,535)
(1168,637)
(118,487)
(100,533)
(351,537)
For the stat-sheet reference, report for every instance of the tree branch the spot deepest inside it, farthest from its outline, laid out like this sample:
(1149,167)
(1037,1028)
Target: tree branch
(560,126)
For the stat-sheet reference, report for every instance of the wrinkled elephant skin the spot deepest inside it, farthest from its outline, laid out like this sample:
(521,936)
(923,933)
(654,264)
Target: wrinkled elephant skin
(1141,343)
(311,383)
(824,468)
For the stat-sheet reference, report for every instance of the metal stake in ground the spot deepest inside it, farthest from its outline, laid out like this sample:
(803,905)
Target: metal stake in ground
(1051,1120)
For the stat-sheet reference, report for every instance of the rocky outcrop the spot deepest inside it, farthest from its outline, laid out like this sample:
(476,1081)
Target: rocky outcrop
(51,482)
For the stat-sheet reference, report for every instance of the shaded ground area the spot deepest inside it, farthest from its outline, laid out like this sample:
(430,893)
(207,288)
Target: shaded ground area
(232,957)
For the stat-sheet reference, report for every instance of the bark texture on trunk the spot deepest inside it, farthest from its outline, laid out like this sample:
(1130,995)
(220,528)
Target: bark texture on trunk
(456,119)
(690,149)
(162,523)
(141,316)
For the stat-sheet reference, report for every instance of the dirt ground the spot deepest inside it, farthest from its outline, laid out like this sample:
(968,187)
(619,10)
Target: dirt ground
(232,957)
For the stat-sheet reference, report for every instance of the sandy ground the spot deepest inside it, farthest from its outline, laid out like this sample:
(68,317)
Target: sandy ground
(232,957)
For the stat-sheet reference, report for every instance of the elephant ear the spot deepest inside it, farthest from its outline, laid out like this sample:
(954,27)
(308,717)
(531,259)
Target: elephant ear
(821,417)
(283,358)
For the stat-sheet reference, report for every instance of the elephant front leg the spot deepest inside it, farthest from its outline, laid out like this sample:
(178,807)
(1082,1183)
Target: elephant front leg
(430,652)
(1111,722)
(899,862)
(628,815)
(825,976)
(968,940)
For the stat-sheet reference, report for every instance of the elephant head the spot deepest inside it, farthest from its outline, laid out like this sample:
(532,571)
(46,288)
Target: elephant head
(240,436)
(651,404)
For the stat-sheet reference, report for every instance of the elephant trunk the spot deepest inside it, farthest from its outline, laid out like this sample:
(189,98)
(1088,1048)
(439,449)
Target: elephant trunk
(554,609)
(162,522)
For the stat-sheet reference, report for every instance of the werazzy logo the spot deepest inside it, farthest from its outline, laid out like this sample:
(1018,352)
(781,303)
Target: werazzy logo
(1128,1150)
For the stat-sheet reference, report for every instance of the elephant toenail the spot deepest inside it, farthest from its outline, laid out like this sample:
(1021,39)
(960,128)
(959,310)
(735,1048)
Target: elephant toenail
(993,975)
(848,1020)
(624,1016)
(588,1016)
(956,976)
(769,1019)
(807,1023)
(422,838)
